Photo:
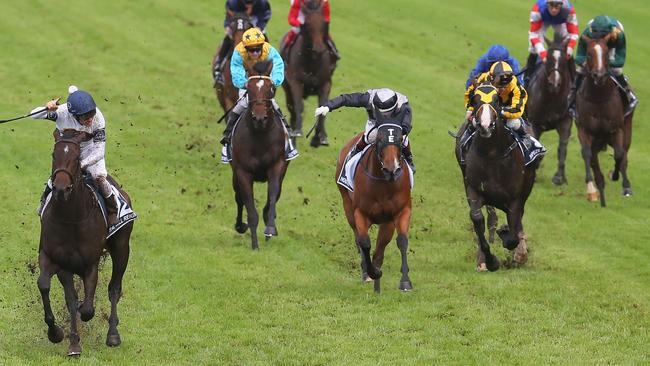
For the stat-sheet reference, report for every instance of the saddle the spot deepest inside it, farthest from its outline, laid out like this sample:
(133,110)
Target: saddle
(530,151)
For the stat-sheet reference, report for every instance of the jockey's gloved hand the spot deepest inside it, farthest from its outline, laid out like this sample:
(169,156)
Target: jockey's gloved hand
(468,116)
(53,104)
(322,111)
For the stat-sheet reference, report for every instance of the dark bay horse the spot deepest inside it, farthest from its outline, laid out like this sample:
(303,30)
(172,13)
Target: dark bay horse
(382,196)
(227,94)
(601,121)
(258,144)
(73,238)
(309,68)
(494,174)
(547,105)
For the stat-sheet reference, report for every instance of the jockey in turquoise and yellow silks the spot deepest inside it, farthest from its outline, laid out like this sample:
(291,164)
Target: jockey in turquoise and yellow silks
(512,95)
(252,49)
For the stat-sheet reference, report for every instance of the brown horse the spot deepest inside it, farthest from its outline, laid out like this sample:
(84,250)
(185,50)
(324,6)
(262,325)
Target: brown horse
(73,239)
(258,144)
(547,105)
(309,68)
(601,121)
(227,94)
(382,196)
(494,174)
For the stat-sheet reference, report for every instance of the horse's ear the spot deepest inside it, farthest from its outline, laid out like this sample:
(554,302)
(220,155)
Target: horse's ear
(83,136)
(269,67)
(56,134)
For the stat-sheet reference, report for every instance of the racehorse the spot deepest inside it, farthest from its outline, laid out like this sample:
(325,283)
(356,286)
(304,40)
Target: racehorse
(382,196)
(547,105)
(494,174)
(73,239)
(601,121)
(309,68)
(258,144)
(227,94)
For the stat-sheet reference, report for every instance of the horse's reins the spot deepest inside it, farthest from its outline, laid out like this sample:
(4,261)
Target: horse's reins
(64,170)
(261,100)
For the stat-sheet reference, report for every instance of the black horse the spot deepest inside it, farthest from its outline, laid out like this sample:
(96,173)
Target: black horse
(547,105)
(601,121)
(309,69)
(258,144)
(494,174)
(73,238)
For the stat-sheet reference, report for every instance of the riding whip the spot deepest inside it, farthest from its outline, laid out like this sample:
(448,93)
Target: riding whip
(312,128)
(27,115)
(231,108)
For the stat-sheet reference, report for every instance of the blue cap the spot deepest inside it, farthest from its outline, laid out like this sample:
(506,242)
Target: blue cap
(80,102)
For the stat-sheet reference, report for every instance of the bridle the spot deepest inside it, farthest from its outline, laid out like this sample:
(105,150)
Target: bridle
(261,100)
(64,170)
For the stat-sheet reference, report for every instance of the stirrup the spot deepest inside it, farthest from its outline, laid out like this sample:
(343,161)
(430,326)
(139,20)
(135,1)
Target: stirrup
(226,154)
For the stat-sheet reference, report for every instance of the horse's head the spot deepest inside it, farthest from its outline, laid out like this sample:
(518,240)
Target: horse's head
(597,58)
(388,146)
(556,67)
(238,23)
(66,169)
(260,93)
(314,28)
(485,101)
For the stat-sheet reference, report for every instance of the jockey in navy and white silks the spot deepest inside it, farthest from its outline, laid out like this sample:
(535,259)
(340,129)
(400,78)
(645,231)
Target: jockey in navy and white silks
(80,113)
(381,105)
(252,49)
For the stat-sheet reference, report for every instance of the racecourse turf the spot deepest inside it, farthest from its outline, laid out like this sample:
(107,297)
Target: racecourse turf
(195,293)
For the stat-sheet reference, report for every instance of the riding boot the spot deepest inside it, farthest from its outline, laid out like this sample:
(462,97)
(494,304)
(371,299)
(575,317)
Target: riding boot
(530,67)
(631,97)
(46,192)
(111,209)
(290,150)
(226,152)
(529,141)
(223,52)
(408,156)
(572,94)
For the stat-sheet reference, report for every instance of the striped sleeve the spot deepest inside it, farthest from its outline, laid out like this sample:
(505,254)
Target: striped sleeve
(518,98)
(573,30)
(534,33)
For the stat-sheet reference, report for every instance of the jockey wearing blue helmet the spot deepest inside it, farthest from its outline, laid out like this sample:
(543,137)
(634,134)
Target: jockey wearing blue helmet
(494,54)
(82,106)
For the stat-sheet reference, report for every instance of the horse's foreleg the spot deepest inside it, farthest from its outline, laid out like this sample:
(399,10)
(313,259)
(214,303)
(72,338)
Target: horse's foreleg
(363,242)
(598,175)
(119,251)
(273,193)
(384,237)
(619,153)
(240,225)
(403,222)
(320,137)
(516,237)
(564,132)
(585,143)
(87,308)
(298,107)
(71,301)
(47,270)
(245,188)
(485,259)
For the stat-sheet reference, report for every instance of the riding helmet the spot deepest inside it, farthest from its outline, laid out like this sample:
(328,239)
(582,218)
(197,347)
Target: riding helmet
(385,100)
(501,73)
(253,37)
(80,102)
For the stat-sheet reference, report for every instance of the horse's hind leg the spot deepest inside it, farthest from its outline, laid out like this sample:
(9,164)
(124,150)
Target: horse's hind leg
(587,156)
(564,131)
(363,242)
(320,137)
(240,225)
(47,269)
(492,221)
(118,248)
(67,280)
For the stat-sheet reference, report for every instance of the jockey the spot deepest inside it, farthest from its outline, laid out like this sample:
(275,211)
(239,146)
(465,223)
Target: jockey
(251,49)
(513,98)
(381,105)
(259,12)
(81,114)
(560,15)
(495,53)
(600,27)
(296,20)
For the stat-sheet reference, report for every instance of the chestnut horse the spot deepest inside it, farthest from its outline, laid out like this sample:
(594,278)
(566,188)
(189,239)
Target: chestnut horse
(382,196)
(494,174)
(73,239)
(547,105)
(258,153)
(309,69)
(601,121)
(227,94)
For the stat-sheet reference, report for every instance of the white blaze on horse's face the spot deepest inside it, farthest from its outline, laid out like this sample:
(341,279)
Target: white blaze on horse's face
(65,150)
(260,84)
(599,56)
(485,118)
(555,76)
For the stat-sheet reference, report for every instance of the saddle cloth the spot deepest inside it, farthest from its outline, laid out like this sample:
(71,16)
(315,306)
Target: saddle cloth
(124,212)
(346,177)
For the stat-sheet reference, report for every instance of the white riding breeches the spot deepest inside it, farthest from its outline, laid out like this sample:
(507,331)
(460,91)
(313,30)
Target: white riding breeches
(99,173)
(514,124)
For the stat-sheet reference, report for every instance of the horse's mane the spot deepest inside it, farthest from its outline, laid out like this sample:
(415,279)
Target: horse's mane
(262,67)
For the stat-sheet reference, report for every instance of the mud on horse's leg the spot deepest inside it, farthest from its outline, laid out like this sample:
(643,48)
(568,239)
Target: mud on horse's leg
(71,301)
(47,269)
(485,259)
(363,242)
(119,251)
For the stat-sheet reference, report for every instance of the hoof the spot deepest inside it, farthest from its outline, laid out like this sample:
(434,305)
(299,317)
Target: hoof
(241,228)
(315,142)
(113,340)
(324,142)
(365,278)
(74,350)
(509,242)
(86,314)
(296,133)
(55,334)
(481,268)
(627,192)
(492,263)
(559,179)
(405,285)
(376,276)
(593,197)
(270,231)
